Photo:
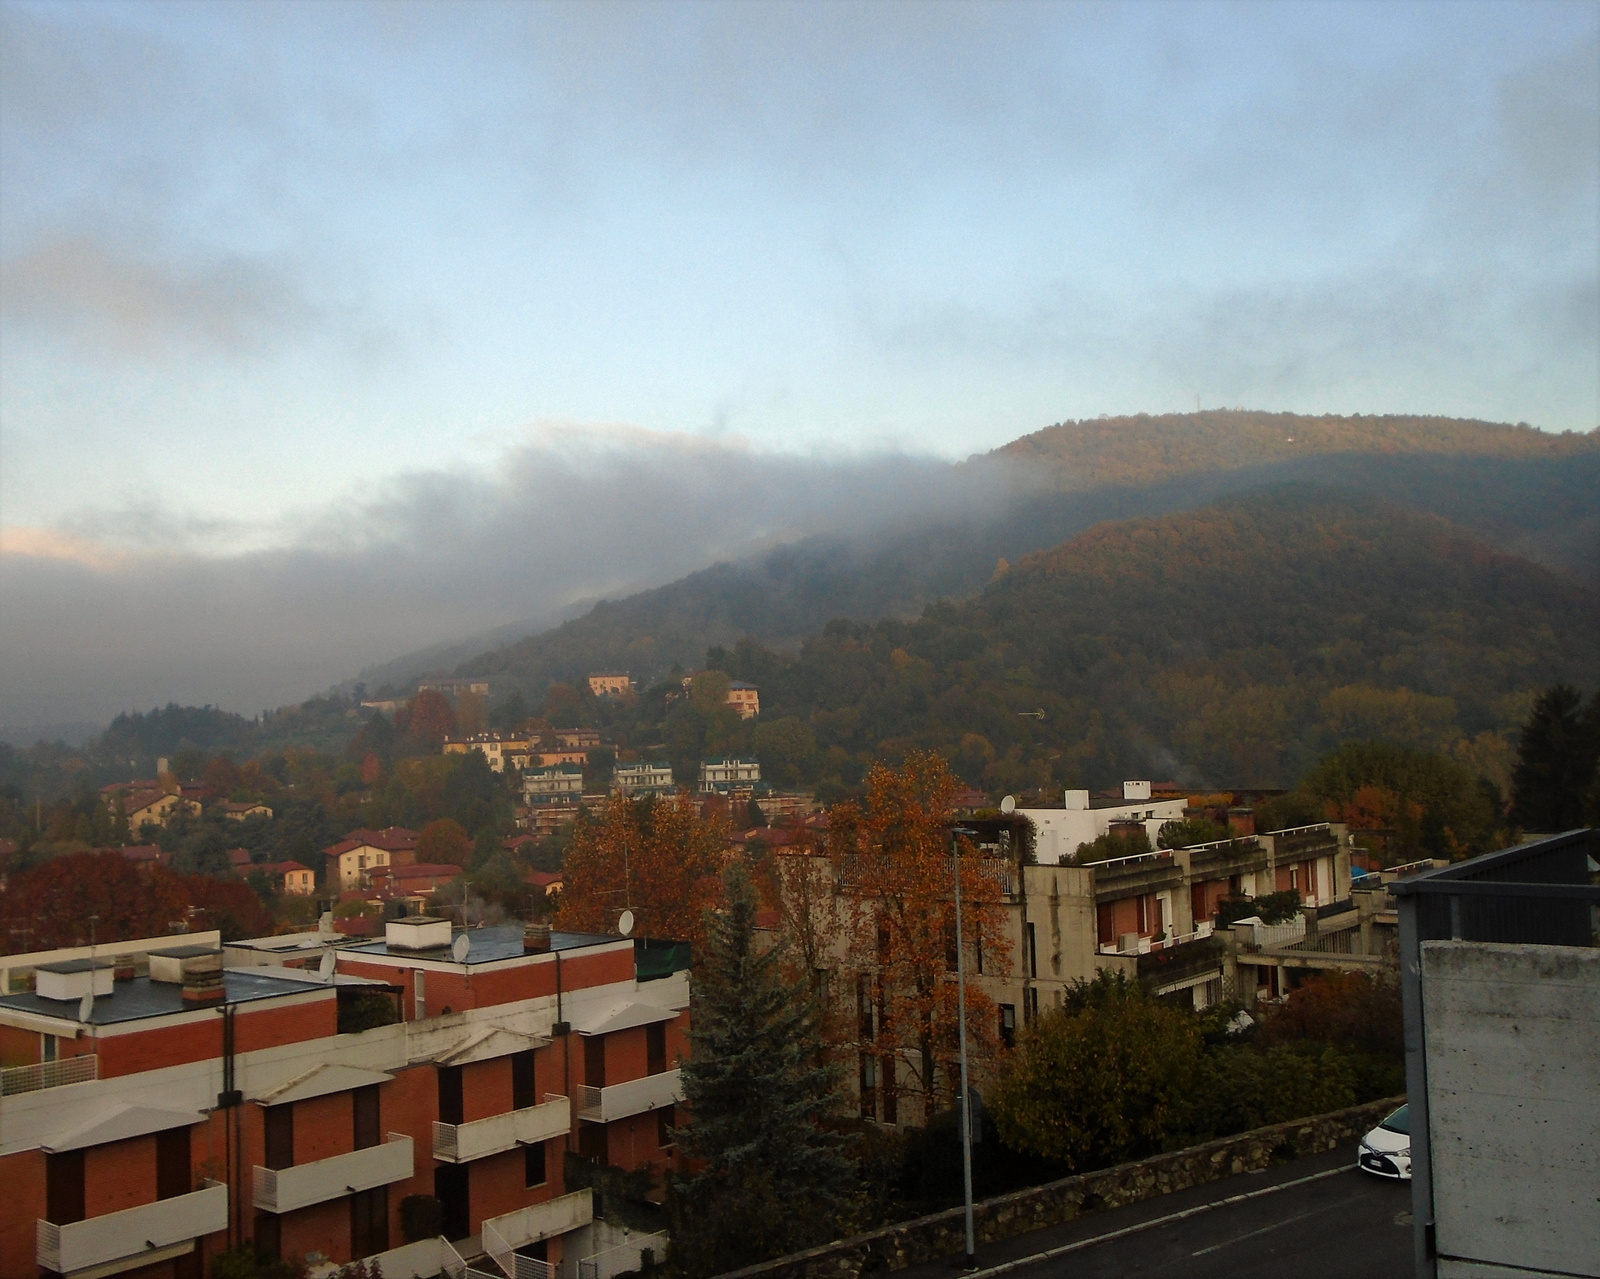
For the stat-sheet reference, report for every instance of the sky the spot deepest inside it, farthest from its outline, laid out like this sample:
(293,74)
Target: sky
(328,330)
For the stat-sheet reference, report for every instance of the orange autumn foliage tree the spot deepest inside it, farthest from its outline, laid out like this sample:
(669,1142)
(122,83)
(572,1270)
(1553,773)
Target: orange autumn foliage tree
(659,857)
(892,859)
(49,906)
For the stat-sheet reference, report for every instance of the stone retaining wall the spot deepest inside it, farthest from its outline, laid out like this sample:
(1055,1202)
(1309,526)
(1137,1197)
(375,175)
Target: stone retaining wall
(942,1234)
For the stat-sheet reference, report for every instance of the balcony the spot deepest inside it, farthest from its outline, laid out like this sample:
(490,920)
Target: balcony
(425,1259)
(461,1143)
(602,1105)
(285,1189)
(133,1234)
(49,1074)
(512,1230)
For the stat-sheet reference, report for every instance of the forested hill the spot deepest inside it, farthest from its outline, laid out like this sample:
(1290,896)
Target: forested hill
(1142,448)
(1518,490)
(1230,645)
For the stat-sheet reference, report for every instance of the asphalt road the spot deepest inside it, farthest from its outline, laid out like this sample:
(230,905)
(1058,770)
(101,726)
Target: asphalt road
(1343,1225)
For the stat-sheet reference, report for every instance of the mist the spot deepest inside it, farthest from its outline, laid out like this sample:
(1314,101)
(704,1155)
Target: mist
(126,611)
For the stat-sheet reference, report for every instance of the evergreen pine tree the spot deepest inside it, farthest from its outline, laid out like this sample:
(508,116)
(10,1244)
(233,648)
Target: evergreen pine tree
(1556,756)
(772,1178)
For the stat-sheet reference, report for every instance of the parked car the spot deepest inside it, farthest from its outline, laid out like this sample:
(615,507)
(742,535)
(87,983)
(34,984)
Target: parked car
(1386,1150)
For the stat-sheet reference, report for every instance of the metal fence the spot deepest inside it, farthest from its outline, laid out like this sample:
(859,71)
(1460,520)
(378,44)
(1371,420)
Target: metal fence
(49,1074)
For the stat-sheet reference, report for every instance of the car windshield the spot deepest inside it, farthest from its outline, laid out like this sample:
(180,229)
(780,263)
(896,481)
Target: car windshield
(1400,1121)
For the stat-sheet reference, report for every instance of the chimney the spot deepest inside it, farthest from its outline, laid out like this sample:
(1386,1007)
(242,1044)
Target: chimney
(535,938)
(202,979)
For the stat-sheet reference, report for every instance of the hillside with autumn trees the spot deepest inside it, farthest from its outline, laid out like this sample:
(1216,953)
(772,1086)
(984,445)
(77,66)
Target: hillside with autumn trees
(1230,646)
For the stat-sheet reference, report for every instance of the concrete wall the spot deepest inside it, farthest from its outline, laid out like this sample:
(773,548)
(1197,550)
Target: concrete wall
(1513,1051)
(942,1234)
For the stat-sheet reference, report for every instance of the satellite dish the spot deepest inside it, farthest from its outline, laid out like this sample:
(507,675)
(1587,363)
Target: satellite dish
(86,1005)
(1008,805)
(625,923)
(326,967)
(460,947)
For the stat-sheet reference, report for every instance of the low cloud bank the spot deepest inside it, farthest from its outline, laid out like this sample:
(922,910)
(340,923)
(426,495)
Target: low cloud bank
(100,619)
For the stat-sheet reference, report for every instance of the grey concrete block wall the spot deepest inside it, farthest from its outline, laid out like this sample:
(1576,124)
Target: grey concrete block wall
(1513,1044)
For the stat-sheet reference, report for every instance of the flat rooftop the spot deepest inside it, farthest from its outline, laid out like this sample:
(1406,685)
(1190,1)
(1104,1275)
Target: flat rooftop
(486,945)
(140,998)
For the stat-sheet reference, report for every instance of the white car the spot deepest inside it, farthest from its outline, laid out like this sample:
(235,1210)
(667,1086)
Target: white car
(1386,1150)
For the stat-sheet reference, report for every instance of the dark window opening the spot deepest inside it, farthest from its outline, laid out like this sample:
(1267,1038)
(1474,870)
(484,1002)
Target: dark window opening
(452,1188)
(655,1039)
(451,1106)
(172,1163)
(592,1142)
(594,1061)
(63,1188)
(1008,1025)
(534,1172)
(269,1236)
(367,1116)
(279,1126)
(888,1091)
(666,1122)
(524,1088)
(369,1222)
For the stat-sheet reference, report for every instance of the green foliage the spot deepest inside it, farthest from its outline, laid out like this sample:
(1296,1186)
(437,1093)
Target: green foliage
(1114,1073)
(1189,832)
(771,1177)
(1558,760)
(1104,847)
(1239,1088)
(1108,1077)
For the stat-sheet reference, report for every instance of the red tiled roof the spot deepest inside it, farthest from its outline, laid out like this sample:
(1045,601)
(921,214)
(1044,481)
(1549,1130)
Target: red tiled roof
(425,870)
(390,839)
(280,868)
(143,853)
(542,878)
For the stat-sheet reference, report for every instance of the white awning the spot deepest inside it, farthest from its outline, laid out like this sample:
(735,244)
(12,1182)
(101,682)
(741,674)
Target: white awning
(118,1123)
(622,1016)
(487,1044)
(319,1082)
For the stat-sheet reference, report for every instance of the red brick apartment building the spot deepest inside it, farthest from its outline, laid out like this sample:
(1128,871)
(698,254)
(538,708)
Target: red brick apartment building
(159,1108)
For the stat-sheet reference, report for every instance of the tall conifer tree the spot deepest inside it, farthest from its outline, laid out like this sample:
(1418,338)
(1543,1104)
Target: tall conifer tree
(758,1090)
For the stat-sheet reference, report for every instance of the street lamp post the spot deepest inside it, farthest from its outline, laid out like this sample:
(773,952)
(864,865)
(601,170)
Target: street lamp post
(971,1261)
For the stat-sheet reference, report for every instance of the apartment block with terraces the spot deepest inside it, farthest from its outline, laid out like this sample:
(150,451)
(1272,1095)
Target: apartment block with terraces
(411,1100)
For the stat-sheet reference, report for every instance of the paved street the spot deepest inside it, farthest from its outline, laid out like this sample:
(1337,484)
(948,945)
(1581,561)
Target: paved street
(1342,1226)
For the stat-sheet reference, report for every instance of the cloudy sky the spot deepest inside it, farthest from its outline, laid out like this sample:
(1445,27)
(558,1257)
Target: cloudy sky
(329,330)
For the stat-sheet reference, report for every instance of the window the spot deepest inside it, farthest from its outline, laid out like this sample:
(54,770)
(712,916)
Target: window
(1033,952)
(369,1221)
(1008,1025)
(173,1177)
(268,1236)
(594,1061)
(451,1108)
(863,1010)
(869,1086)
(452,1187)
(666,1122)
(655,1042)
(47,1050)
(63,1187)
(1030,1002)
(368,1125)
(533,1165)
(279,1125)
(524,1085)
(1106,918)
(592,1142)
(889,1092)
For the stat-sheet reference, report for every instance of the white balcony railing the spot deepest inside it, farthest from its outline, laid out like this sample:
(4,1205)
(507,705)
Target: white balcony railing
(621,1258)
(49,1074)
(546,1220)
(516,1266)
(285,1189)
(425,1259)
(1146,945)
(618,1101)
(133,1232)
(459,1143)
